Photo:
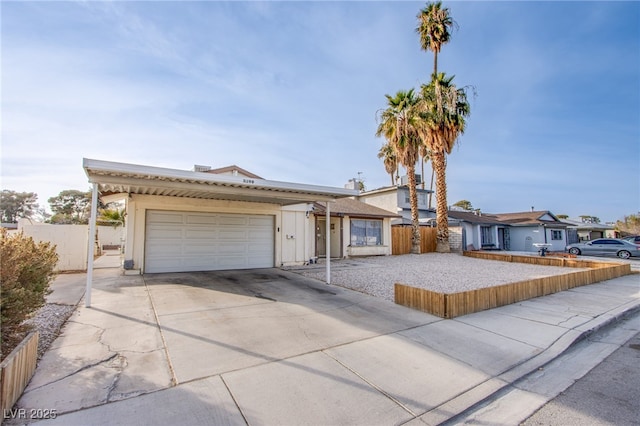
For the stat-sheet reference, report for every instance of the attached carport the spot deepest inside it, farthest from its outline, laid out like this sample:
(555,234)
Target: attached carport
(121,180)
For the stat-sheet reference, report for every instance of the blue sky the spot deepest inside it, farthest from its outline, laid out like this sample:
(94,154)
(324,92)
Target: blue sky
(290,91)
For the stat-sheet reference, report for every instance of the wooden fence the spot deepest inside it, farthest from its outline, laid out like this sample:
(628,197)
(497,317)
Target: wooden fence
(17,369)
(451,305)
(401,239)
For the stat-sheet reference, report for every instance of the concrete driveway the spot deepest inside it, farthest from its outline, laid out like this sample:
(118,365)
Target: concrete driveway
(273,347)
(217,322)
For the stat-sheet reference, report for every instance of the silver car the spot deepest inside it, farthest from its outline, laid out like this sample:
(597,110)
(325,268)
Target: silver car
(605,246)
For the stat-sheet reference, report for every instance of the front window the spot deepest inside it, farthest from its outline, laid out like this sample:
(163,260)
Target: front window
(366,232)
(556,235)
(486,234)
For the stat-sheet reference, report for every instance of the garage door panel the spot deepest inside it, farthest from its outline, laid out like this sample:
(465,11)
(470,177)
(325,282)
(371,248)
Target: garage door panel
(169,250)
(161,233)
(232,220)
(231,248)
(165,217)
(164,264)
(255,234)
(201,233)
(199,219)
(233,262)
(233,235)
(200,249)
(187,241)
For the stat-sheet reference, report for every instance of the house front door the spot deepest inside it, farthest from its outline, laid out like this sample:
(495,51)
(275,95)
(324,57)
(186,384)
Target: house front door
(321,238)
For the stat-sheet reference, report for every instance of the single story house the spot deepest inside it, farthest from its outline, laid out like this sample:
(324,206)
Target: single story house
(520,231)
(179,221)
(587,231)
(357,229)
(480,231)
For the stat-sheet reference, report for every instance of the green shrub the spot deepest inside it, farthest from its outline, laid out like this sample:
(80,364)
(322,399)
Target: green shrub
(26,269)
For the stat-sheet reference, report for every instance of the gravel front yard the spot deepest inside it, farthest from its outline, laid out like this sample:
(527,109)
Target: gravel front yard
(440,272)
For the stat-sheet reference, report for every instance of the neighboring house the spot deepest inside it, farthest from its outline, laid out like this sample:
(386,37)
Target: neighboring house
(211,219)
(534,227)
(481,231)
(357,229)
(510,231)
(588,231)
(395,199)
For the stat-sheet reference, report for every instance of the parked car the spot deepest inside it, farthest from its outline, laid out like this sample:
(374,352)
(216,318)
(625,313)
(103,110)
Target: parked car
(635,239)
(605,246)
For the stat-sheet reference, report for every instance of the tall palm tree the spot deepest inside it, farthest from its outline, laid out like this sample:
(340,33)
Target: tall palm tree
(434,23)
(444,109)
(390,158)
(399,125)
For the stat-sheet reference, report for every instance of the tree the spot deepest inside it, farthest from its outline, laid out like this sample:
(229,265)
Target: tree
(464,204)
(443,109)
(629,225)
(390,159)
(70,207)
(15,205)
(433,27)
(562,216)
(398,124)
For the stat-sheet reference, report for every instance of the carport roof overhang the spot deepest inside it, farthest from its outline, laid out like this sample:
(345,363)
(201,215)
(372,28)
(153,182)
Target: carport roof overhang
(123,178)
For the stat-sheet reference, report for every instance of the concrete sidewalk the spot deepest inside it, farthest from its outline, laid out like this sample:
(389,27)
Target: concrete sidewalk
(272,347)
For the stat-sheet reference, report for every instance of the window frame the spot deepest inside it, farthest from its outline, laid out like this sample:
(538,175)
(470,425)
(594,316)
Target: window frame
(556,232)
(371,233)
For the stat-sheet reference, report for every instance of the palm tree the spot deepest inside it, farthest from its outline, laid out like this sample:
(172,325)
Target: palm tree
(433,27)
(444,109)
(114,217)
(399,125)
(390,158)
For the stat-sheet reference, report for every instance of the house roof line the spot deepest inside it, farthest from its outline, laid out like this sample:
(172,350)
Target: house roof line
(113,177)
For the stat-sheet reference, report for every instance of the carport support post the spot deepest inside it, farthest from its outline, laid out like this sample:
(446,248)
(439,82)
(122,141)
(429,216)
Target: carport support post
(328,244)
(91,243)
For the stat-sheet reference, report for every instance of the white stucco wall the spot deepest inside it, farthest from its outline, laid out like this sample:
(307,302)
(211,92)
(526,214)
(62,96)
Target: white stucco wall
(70,241)
(108,235)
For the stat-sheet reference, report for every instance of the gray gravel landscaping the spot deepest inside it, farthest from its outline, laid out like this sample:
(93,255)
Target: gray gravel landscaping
(440,272)
(48,320)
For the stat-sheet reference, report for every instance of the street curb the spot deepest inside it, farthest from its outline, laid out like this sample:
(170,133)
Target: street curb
(515,374)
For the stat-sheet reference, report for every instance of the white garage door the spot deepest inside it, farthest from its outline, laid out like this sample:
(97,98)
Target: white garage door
(185,241)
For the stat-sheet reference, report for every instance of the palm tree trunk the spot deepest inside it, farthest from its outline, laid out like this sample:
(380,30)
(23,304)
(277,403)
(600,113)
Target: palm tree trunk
(431,185)
(435,63)
(415,224)
(442,212)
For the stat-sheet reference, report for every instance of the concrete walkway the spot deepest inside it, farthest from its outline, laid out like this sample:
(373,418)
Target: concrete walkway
(272,347)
